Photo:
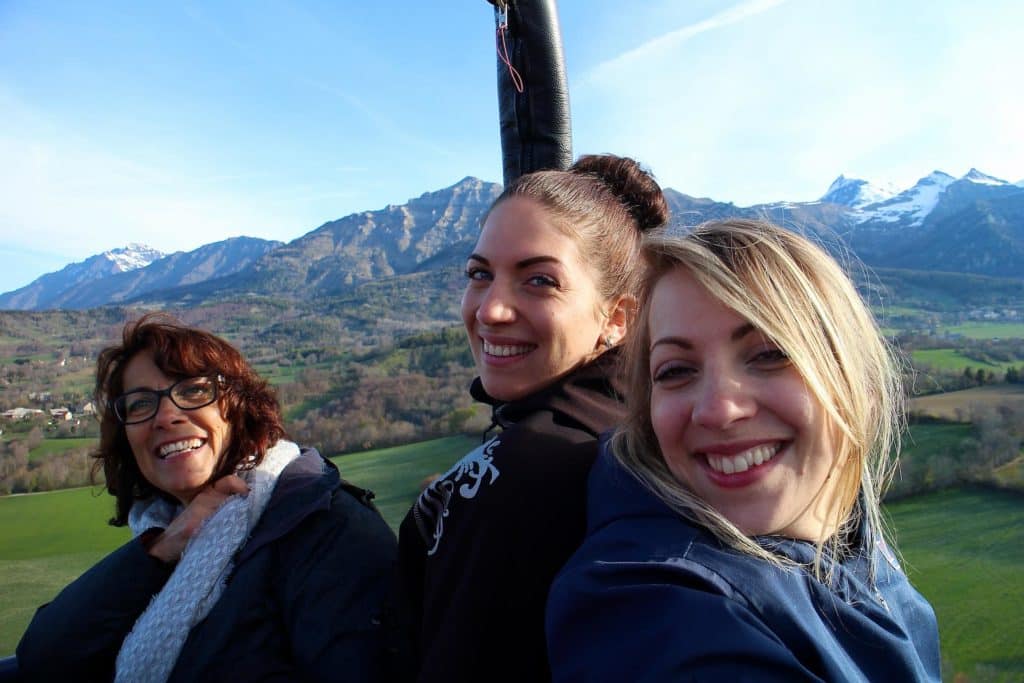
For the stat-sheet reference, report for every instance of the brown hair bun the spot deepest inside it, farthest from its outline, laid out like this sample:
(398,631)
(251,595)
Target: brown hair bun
(634,186)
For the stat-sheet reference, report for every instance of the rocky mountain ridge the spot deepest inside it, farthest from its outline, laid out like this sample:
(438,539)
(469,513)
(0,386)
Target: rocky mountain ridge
(973,224)
(122,274)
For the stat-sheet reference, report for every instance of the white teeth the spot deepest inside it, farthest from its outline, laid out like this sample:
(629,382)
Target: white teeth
(506,350)
(741,462)
(178,446)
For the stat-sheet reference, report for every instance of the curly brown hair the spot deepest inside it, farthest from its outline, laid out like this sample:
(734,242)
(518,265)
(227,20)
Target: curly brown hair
(247,402)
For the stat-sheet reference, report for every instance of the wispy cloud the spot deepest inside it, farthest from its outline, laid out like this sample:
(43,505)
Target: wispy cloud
(734,14)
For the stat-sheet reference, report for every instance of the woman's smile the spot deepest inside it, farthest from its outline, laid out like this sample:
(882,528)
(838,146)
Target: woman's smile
(177,450)
(531,307)
(735,421)
(743,461)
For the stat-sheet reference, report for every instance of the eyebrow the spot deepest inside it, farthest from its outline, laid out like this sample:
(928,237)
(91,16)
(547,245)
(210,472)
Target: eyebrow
(525,263)
(737,334)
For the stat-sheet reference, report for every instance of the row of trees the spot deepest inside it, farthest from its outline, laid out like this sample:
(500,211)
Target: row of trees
(993,440)
(20,474)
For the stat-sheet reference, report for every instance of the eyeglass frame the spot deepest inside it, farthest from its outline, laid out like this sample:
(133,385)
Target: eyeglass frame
(215,380)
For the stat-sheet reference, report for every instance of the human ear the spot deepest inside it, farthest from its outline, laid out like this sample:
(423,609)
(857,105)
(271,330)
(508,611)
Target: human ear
(617,318)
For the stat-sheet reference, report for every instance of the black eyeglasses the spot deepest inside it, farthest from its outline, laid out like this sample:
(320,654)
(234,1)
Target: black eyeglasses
(188,394)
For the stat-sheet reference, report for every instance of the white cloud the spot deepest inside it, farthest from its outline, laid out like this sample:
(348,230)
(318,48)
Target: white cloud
(775,107)
(657,47)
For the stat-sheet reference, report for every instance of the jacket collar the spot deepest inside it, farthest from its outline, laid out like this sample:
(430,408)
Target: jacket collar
(590,396)
(613,493)
(305,486)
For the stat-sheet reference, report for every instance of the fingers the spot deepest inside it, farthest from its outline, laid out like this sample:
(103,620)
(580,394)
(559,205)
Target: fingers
(230,485)
(171,543)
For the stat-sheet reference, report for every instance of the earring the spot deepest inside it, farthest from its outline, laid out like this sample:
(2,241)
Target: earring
(608,342)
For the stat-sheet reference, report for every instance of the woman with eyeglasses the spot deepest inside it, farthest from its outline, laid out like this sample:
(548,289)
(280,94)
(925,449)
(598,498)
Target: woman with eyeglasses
(251,558)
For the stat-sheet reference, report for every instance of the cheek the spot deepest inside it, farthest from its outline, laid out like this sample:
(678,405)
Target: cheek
(468,309)
(223,430)
(668,419)
(136,441)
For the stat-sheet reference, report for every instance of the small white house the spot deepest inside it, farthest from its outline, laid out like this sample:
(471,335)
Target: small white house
(61,414)
(20,413)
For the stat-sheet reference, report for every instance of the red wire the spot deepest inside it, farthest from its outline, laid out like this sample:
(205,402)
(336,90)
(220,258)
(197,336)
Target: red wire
(517,80)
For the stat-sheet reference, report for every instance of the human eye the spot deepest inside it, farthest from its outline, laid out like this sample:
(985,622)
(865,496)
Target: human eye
(138,403)
(673,373)
(770,358)
(541,280)
(195,390)
(477,274)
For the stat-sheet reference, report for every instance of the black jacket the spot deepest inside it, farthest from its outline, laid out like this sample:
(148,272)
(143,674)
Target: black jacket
(480,547)
(652,597)
(303,602)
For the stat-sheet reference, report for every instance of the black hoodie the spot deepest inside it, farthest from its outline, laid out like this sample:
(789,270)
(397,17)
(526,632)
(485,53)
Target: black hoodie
(479,549)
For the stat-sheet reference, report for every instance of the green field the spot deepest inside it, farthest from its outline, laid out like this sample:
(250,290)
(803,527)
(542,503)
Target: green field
(397,485)
(50,538)
(980,330)
(925,439)
(963,549)
(51,446)
(951,359)
(47,540)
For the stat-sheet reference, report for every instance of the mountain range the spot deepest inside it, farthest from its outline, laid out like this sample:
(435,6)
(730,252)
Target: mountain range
(973,224)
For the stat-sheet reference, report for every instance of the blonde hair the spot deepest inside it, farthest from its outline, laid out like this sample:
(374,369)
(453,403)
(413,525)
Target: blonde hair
(798,296)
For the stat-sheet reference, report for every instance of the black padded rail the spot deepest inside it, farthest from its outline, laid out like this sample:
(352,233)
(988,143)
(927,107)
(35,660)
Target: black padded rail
(536,130)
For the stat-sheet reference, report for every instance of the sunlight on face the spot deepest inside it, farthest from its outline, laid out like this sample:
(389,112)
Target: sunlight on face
(735,422)
(531,308)
(177,450)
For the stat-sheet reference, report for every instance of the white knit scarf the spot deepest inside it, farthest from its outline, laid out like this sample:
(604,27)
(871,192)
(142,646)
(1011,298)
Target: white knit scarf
(150,651)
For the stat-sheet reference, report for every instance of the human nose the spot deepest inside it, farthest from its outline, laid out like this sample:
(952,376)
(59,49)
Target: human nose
(723,400)
(497,305)
(167,411)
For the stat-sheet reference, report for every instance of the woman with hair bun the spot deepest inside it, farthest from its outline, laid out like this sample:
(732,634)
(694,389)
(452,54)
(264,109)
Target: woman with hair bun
(550,294)
(734,520)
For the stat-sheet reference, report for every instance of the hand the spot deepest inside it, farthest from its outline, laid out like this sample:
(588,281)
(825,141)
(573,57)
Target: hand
(169,545)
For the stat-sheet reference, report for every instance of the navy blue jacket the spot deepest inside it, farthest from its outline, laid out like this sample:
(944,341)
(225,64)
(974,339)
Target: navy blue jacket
(652,597)
(303,603)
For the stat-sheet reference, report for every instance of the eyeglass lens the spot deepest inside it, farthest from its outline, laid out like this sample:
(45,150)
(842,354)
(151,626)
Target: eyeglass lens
(186,394)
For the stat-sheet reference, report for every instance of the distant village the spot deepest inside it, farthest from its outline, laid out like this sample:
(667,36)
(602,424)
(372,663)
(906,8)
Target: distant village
(56,414)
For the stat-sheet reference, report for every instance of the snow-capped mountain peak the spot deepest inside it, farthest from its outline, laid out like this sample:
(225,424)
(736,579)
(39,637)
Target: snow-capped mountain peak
(855,193)
(976,176)
(133,256)
(914,204)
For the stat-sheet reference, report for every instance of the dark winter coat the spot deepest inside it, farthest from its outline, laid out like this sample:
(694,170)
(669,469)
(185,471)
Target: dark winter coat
(303,602)
(480,547)
(652,597)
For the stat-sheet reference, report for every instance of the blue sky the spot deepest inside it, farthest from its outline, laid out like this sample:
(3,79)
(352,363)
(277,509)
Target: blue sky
(178,124)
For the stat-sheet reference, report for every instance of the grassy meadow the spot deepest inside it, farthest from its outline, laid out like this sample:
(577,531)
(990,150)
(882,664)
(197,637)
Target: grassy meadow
(50,446)
(397,485)
(952,359)
(986,330)
(50,538)
(964,549)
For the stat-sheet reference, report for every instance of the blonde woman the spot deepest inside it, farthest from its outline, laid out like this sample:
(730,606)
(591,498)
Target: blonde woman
(734,530)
